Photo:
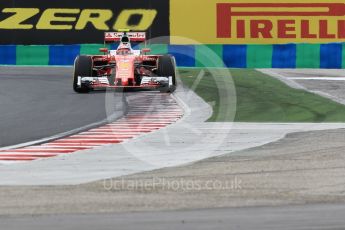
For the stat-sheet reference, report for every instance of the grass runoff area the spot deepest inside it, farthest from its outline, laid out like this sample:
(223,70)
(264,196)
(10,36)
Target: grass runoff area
(258,98)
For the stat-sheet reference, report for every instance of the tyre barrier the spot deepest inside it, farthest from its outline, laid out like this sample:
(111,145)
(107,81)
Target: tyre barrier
(330,55)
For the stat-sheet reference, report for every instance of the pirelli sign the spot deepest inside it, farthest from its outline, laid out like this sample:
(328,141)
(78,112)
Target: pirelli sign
(259,22)
(78,21)
(204,21)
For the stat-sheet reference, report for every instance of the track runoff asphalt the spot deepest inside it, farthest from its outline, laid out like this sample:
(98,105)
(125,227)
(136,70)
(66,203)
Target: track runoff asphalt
(37,103)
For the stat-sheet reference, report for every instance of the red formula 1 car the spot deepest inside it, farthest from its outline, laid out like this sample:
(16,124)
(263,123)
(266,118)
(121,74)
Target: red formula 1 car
(124,68)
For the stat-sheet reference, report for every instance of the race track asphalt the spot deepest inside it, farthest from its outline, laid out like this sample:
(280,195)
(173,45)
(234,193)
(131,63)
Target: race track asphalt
(319,216)
(39,102)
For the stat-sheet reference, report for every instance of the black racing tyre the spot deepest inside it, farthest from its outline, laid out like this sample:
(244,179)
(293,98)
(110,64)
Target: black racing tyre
(111,78)
(82,67)
(167,67)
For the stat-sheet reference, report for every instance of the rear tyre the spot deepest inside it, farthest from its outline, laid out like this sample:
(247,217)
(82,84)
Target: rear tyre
(82,67)
(167,68)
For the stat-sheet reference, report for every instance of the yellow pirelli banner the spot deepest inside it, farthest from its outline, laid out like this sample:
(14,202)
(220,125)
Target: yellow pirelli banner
(257,22)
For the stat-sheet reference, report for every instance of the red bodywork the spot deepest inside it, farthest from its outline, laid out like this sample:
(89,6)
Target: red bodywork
(126,68)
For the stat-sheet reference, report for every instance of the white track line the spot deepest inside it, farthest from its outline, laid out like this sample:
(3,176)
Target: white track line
(318,78)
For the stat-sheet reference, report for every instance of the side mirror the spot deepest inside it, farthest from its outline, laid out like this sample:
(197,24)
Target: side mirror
(103,50)
(145,50)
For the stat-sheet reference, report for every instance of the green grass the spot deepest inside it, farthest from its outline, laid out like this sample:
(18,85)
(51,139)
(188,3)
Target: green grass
(252,96)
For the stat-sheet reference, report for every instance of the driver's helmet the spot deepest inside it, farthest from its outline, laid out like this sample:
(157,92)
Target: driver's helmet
(123,51)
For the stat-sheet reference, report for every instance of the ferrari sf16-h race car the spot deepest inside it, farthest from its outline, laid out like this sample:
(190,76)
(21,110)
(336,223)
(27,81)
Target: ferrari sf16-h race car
(124,68)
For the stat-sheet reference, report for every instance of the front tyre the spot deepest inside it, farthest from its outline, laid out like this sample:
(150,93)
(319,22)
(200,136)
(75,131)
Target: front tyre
(167,68)
(82,67)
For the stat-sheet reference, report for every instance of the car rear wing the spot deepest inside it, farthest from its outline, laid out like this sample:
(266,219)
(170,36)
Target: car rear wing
(116,36)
